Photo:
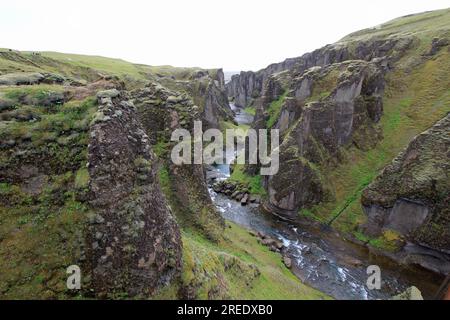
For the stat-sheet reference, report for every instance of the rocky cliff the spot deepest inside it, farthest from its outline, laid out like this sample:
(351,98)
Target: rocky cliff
(162,111)
(247,86)
(411,197)
(344,111)
(134,244)
(208,92)
(313,132)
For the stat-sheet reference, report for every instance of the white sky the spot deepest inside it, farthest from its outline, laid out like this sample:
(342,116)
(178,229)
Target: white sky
(233,34)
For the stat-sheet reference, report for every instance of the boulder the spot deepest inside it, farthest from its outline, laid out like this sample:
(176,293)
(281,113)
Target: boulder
(255,198)
(111,94)
(287,262)
(244,199)
(412,293)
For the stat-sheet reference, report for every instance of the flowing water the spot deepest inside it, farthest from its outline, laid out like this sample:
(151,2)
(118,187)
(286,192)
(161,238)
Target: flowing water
(320,257)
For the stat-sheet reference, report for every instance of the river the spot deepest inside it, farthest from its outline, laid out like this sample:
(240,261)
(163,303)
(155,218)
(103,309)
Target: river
(320,257)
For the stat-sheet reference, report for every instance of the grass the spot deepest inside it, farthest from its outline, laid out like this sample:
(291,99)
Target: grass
(254,183)
(65,124)
(88,67)
(418,24)
(35,94)
(112,66)
(250,110)
(39,241)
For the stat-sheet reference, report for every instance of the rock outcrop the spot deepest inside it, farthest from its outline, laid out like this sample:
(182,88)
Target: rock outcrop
(162,111)
(207,90)
(411,197)
(247,86)
(325,109)
(134,244)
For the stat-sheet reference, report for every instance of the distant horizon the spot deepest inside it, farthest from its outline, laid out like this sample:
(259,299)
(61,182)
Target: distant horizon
(197,35)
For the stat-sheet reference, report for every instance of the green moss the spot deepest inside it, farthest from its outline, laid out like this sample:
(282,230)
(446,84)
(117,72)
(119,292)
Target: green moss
(275,109)
(161,148)
(323,86)
(5,187)
(164,180)
(250,110)
(82,178)
(41,237)
(254,183)
(224,125)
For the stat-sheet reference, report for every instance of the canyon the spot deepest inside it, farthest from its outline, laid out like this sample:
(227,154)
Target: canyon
(87,179)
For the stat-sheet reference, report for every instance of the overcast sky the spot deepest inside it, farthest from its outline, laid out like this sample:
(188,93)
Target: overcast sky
(233,34)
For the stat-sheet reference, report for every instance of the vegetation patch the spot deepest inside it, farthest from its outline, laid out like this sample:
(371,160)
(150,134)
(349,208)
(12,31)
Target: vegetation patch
(254,183)
(274,110)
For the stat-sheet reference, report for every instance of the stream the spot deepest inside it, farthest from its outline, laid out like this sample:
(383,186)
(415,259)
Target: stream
(320,257)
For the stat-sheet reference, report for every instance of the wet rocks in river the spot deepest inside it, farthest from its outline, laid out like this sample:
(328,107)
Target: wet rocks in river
(287,262)
(273,244)
(236,191)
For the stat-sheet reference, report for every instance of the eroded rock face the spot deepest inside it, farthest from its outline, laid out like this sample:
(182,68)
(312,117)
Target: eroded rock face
(208,92)
(162,111)
(411,195)
(247,86)
(134,243)
(315,131)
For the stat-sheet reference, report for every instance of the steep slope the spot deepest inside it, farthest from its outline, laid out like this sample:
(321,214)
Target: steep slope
(344,112)
(411,197)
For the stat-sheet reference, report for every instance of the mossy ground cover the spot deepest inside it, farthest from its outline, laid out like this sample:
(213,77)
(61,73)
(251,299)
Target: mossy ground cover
(250,110)
(41,227)
(323,86)
(236,268)
(254,183)
(38,242)
(413,102)
(275,109)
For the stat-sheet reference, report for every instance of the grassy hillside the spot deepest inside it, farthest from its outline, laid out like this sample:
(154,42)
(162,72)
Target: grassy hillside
(238,267)
(85,67)
(422,25)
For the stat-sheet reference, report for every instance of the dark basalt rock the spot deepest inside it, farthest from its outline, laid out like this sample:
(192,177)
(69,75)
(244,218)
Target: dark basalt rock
(320,128)
(134,243)
(247,86)
(411,196)
(161,111)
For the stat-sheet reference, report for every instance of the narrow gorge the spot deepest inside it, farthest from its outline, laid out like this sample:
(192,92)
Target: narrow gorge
(87,176)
